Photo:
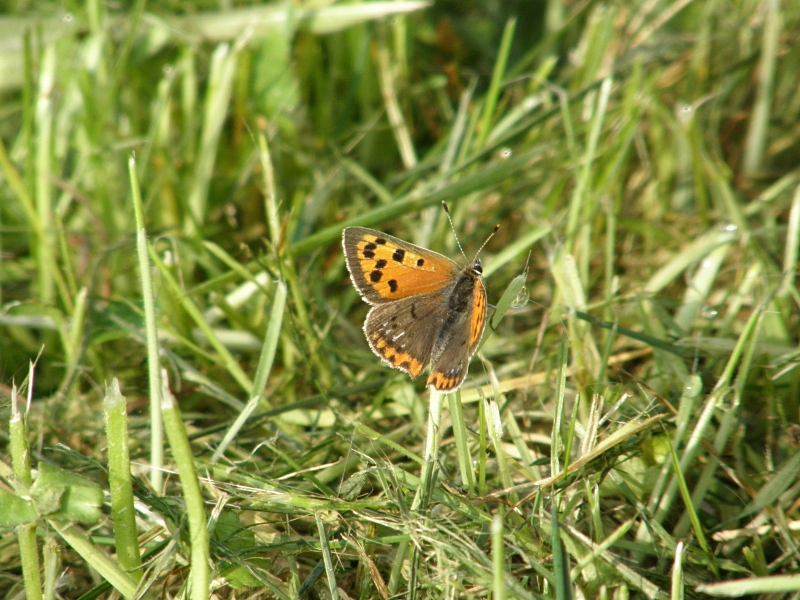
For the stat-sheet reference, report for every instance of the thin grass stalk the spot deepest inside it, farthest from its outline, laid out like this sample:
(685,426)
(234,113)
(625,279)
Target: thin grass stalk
(413,574)
(402,136)
(73,337)
(521,444)
(382,194)
(151,332)
(585,356)
(224,355)
(730,420)
(218,94)
(88,551)
(677,584)
(716,176)
(330,573)
(70,285)
(498,558)
(494,429)
(18,443)
(51,554)
(690,453)
(580,239)
(253,282)
(691,254)
(626,573)
(45,257)
(188,92)
(699,288)
(21,465)
(697,527)
(372,434)
(758,129)
(482,446)
(599,548)
(199,576)
(397,567)
(556,442)
(578,201)
(561,578)
(692,390)
(270,198)
(592,495)
(263,370)
(791,248)
(432,440)
(573,419)
(455,140)
(463,456)
(158,135)
(420,198)
(123,514)
(610,279)
(319,366)
(753,586)
(490,100)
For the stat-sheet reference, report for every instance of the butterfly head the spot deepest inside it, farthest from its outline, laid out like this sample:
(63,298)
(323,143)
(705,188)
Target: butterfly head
(476,266)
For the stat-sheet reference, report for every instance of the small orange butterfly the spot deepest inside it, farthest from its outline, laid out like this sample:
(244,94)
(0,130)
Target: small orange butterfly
(426,309)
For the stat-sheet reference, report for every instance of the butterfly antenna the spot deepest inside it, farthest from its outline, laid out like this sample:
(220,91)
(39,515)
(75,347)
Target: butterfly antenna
(491,235)
(449,218)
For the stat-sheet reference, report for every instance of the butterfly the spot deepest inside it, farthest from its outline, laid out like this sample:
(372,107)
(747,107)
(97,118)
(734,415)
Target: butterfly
(426,309)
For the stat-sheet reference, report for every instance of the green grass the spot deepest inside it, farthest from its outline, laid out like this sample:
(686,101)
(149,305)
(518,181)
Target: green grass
(174,181)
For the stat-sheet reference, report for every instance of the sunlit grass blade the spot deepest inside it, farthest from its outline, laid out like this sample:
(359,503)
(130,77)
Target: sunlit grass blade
(151,334)
(120,485)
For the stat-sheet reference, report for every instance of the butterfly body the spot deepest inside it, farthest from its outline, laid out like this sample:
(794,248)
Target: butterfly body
(426,309)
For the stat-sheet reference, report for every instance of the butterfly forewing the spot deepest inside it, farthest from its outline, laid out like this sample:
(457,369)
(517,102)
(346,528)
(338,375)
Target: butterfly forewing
(384,268)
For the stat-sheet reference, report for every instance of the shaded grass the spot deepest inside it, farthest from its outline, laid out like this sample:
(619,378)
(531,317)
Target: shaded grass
(631,429)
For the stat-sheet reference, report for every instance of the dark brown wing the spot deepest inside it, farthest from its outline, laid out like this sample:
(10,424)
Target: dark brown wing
(403,332)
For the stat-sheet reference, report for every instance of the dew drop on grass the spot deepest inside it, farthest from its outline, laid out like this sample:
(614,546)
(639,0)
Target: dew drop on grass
(709,312)
(522,298)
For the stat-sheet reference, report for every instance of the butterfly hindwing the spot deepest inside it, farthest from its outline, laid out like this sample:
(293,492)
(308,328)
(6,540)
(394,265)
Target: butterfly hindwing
(384,268)
(400,332)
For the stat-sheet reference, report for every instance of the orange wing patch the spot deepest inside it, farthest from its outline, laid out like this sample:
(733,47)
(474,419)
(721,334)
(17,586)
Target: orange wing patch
(478,317)
(398,359)
(442,383)
(394,272)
